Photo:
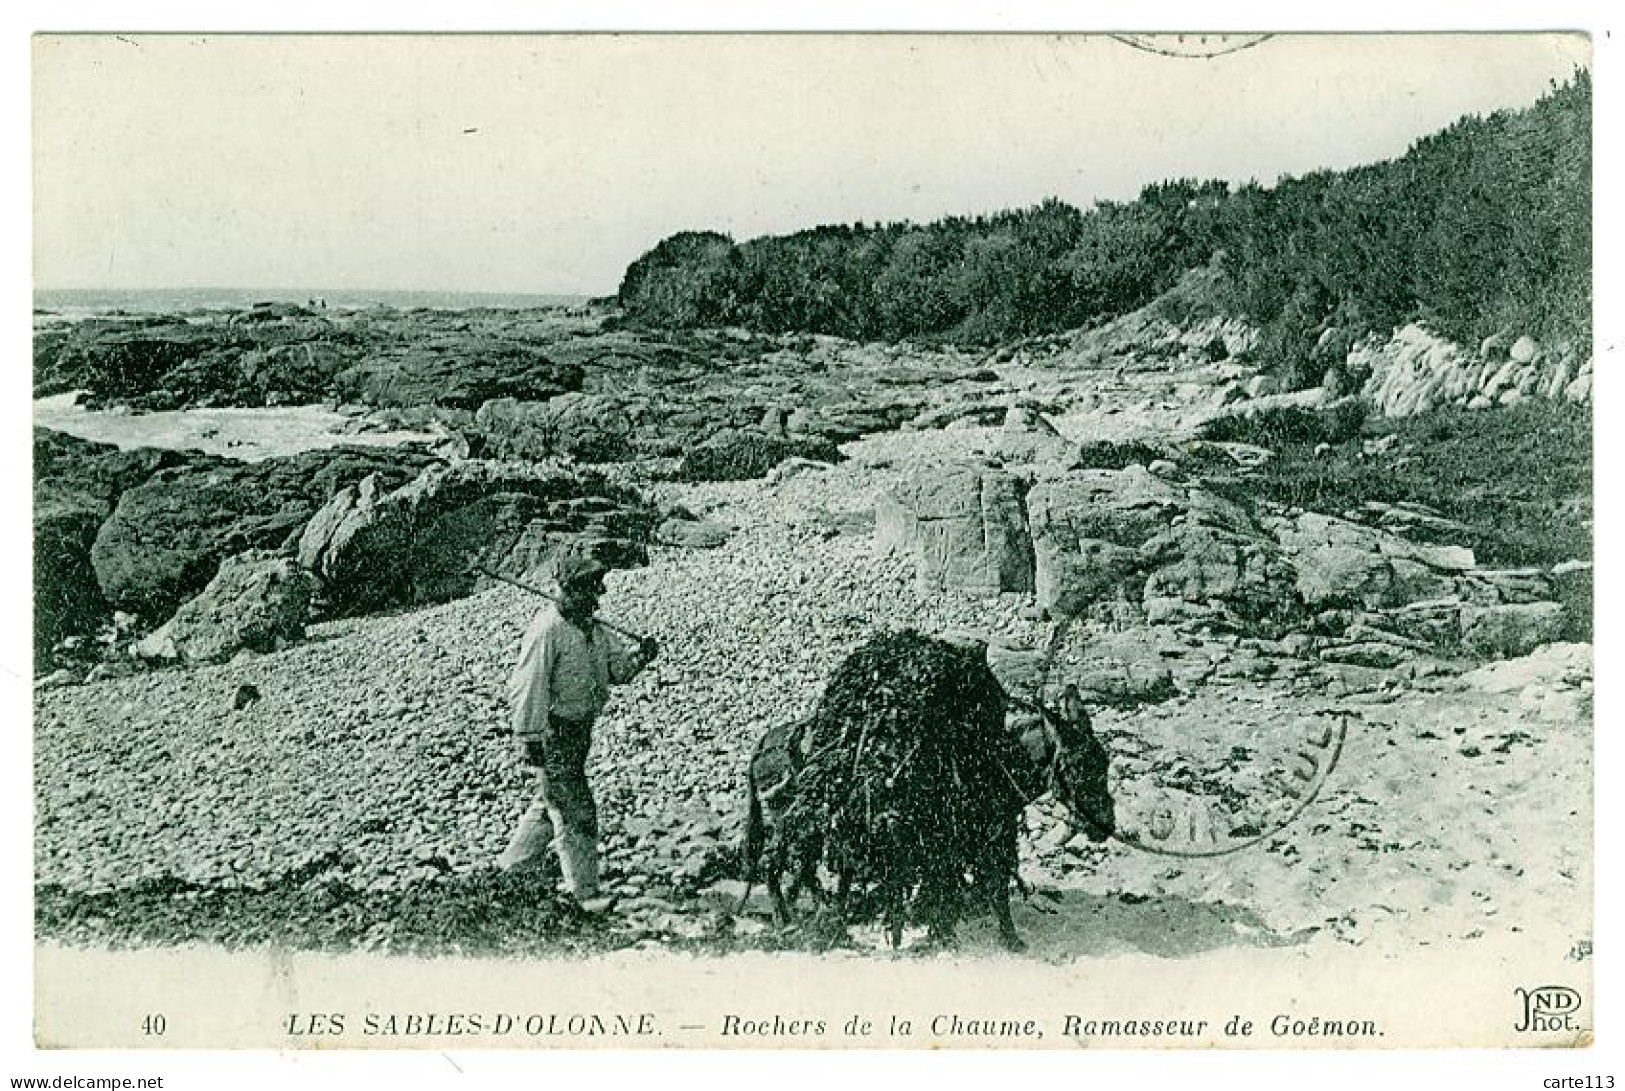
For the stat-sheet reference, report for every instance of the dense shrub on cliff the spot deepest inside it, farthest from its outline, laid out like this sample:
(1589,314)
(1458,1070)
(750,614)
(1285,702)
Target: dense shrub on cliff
(1480,228)
(684,279)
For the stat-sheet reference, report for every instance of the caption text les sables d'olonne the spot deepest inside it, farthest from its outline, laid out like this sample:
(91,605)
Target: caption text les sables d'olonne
(944,1026)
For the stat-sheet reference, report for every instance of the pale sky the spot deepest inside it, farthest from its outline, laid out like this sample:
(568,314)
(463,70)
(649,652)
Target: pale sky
(547,163)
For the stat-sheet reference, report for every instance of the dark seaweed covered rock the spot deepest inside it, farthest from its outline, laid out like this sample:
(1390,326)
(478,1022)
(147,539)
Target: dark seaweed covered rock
(173,364)
(116,360)
(76,484)
(745,454)
(67,599)
(285,354)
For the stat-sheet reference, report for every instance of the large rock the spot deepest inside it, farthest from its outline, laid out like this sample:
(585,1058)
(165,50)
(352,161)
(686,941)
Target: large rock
(580,426)
(1509,630)
(117,360)
(67,599)
(167,536)
(1205,563)
(460,372)
(1580,389)
(1028,436)
(746,454)
(1088,529)
(286,374)
(1330,575)
(1339,563)
(376,546)
(173,364)
(95,469)
(963,525)
(76,484)
(258,600)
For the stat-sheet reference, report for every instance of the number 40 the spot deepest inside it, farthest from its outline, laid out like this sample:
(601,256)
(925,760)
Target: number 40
(153,1026)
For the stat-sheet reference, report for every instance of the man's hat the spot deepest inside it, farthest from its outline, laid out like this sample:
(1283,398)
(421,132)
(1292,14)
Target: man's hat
(574,566)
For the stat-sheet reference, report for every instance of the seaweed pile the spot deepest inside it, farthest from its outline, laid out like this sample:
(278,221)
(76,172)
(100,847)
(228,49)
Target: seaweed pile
(908,790)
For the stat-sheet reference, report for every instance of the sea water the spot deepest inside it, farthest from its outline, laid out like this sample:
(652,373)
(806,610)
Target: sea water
(82,301)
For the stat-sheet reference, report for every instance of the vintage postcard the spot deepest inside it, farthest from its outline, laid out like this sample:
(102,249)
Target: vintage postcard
(906,541)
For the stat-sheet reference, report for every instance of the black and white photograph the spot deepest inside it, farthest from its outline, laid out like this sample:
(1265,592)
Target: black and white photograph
(911,541)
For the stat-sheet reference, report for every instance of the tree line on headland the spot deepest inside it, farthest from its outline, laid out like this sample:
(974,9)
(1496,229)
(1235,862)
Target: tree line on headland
(1478,229)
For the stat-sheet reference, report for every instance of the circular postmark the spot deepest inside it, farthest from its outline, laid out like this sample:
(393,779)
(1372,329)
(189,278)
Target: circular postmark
(1210,778)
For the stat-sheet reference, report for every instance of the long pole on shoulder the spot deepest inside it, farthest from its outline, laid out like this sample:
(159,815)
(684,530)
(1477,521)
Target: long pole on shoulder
(550,597)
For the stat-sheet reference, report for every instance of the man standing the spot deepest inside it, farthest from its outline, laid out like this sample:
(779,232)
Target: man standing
(567,663)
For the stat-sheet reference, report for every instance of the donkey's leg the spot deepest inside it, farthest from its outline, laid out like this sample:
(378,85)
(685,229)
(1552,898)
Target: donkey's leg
(807,879)
(896,908)
(772,872)
(806,874)
(994,877)
(843,898)
(1000,895)
(831,913)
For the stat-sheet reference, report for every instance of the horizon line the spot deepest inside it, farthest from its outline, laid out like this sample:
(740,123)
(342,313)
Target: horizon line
(303,289)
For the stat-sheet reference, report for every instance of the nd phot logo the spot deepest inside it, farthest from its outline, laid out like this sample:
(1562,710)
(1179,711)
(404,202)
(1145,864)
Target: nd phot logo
(1548,1007)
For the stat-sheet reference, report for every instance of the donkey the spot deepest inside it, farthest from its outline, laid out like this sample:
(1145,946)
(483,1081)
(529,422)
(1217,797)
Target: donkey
(1058,754)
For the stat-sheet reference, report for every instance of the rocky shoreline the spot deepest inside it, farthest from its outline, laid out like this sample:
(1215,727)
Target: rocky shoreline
(883,487)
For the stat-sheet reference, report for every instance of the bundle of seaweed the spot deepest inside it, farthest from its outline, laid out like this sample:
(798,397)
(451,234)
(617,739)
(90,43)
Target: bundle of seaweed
(907,791)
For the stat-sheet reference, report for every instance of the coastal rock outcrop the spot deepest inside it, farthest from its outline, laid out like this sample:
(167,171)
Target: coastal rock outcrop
(257,601)
(76,484)
(1508,630)
(166,537)
(964,527)
(374,546)
(1088,528)
(1339,563)
(172,363)
(1415,370)
(579,426)
(459,372)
